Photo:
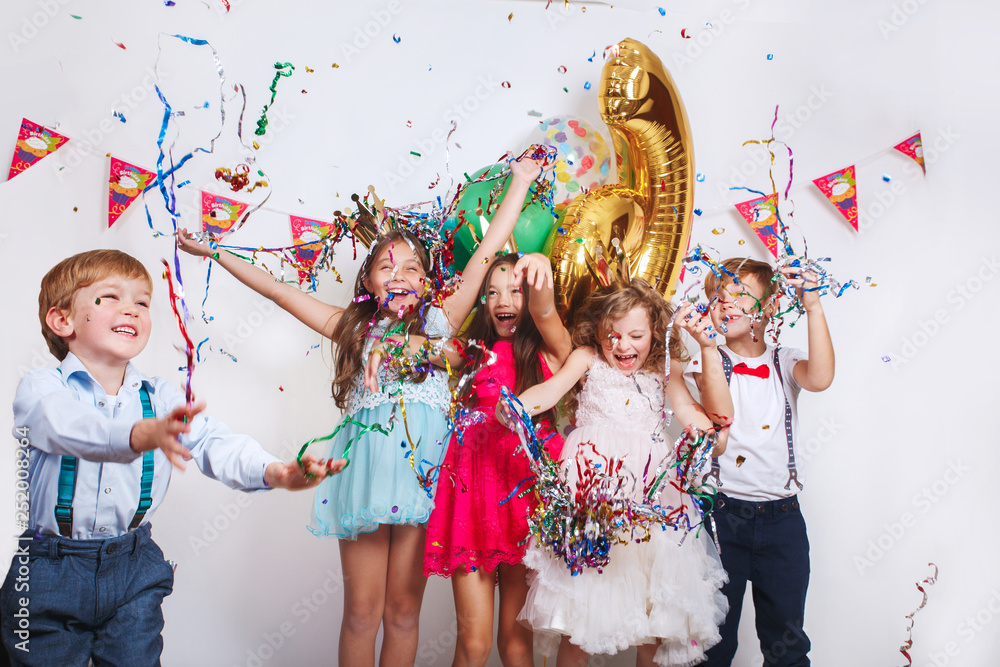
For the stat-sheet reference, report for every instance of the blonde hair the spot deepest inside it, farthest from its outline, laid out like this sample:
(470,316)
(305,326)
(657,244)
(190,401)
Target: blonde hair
(65,279)
(742,268)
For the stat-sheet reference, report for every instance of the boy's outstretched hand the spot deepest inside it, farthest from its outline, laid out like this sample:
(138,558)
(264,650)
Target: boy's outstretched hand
(163,433)
(696,322)
(291,476)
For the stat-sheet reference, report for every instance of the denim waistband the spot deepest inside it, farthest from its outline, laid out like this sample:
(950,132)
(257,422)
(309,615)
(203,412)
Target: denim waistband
(748,508)
(55,546)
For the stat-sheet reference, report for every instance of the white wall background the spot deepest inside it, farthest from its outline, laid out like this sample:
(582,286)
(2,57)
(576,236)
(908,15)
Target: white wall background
(852,79)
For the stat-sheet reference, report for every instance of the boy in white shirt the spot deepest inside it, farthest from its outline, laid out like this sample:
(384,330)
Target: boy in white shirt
(99,437)
(758,520)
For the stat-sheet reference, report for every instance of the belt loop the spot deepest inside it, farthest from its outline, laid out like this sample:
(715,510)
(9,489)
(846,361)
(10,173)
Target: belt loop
(53,548)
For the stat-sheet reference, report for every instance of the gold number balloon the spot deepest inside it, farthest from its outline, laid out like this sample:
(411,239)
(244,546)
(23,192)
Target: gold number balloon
(644,219)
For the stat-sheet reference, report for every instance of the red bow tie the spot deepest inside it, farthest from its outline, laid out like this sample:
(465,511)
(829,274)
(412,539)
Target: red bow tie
(761,371)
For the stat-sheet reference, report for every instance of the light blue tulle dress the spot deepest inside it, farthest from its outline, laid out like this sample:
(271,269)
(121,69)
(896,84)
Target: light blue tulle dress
(380,485)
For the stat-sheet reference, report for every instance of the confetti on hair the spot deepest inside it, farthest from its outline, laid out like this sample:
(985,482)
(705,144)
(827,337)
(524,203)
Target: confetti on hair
(908,644)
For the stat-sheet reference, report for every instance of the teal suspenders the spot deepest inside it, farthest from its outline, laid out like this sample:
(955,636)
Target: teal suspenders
(67,481)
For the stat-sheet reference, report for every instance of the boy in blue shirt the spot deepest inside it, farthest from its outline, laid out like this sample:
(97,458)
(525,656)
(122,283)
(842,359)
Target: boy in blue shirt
(758,521)
(99,438)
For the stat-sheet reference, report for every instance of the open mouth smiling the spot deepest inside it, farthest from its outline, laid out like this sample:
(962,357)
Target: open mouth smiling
(126,330)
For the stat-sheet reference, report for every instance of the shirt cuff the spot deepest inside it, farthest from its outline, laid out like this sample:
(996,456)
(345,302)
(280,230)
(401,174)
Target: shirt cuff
(268,460)
(119,449)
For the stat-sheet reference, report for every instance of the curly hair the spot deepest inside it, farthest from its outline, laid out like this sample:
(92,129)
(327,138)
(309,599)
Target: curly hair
(607,304)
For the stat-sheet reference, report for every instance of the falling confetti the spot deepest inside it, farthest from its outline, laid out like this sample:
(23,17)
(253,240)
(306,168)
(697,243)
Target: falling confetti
(505,84)
(770,56)
(119,45)
(886,177)
(397,39)
(309,70)
(562,69)
(684,34)
(700,178)
(719,230)
(739,460)
(663,12)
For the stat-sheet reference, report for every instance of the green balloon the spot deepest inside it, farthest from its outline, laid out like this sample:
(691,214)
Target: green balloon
(530,233)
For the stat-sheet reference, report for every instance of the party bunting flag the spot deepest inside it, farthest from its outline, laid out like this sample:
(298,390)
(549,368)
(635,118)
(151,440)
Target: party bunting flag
(33,143)
(306,237)
(219,214)
(125,183)
(762,216)
(841,188)
(914,148)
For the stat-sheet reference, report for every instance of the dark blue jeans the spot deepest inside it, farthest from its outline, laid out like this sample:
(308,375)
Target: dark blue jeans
(67,601)
(766,544)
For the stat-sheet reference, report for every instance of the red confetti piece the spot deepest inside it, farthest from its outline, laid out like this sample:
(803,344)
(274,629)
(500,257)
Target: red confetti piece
(226,3)
(119,45)
(505,84)
(562,69)
(909,630)
(684,34)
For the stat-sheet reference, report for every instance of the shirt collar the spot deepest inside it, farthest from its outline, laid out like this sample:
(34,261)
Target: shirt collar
(72,366)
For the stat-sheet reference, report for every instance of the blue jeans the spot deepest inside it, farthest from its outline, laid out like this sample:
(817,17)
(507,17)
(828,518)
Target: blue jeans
(67,601)
(764,543)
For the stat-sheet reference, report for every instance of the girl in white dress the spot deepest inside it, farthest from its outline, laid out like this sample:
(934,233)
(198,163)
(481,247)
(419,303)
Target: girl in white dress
(658,595)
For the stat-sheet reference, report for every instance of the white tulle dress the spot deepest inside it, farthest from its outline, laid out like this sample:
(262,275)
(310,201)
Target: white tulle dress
(650,591)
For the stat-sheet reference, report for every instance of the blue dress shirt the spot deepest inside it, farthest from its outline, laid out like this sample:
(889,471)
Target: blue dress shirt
(69,413)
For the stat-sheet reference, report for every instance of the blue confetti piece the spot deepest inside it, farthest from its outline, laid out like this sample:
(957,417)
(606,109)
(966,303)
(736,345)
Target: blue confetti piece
(697,211)
(169,3)
(700,178)
(396,39)
(886,177)
(591,58)
(770,56)
(886,359)
(663,12)
(586,86)
(181,185)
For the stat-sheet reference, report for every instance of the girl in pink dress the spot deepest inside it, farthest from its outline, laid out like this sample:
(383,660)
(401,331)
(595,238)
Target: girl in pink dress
(477,533)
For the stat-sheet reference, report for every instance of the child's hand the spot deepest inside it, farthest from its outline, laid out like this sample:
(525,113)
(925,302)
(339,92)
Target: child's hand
(803,282)
(163,433)
(374,362)
(504,415)
(527,170)
(187,242)
(537,268)
(698,324)
(293,477)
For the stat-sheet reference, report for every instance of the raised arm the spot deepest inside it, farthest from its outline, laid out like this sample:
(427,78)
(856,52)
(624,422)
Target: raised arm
(544,396)
(458,306)
(312,312)
(689,412)
(536,269)
(816,372)
(715,396)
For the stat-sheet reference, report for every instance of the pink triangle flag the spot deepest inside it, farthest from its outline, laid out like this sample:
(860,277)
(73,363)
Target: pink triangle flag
(125,183)
(307,236)
(762,215)
(33,143)
(841,189)
(913,148)
(219,214)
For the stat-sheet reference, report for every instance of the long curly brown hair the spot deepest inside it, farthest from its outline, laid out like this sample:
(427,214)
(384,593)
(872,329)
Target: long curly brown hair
(350,334)
(608,304)
(527,341)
